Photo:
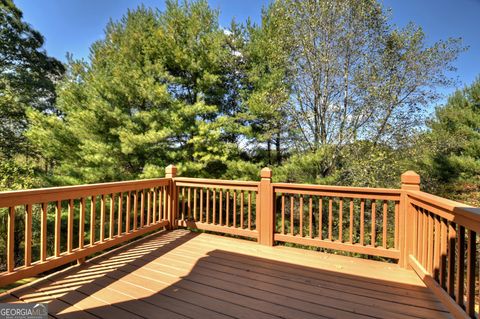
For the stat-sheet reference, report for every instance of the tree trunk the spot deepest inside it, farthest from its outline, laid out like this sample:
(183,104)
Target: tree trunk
(269,151)
(279,151)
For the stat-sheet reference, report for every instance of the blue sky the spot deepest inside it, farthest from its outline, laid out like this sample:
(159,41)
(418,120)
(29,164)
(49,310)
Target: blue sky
(73,25)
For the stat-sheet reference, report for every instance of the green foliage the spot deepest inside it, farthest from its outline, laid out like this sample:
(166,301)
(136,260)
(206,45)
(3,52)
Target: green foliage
(452,163)
(155,93)
(27,78)
(308,168)
(175,87)
(17,174)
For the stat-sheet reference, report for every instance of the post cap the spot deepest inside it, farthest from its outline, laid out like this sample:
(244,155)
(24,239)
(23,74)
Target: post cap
(411,180)
(266,173)
(170,171)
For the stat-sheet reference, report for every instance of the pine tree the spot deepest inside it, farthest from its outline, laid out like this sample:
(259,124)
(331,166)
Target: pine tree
(154,93)
(452,163)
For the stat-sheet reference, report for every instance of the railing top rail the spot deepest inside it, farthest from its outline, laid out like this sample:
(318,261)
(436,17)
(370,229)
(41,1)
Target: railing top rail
(204,182)
(33,196)
(447,205)
(338,191)
(346,189)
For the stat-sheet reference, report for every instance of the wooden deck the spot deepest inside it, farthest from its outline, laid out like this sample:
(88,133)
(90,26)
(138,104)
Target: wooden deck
(180,274)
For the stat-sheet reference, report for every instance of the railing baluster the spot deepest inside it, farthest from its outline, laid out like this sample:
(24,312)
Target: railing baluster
(471,262)
(112,212)
(414,214)
(227,213)
(460,266)
(189,204)
(436,251)
(81,227)
(249,210)
(161,213)
(425,239)
(430,240)
(195,204)
(340,220)
(129,209)
(154,207)
(242,216)
(165,203)
(214,206)
(234,208)
(43,232)
(220,206)
(257,216)
(149,207)
(310,217)
(351,220)
(11,239)
(330,218)
(300,210)
(384,225)
(142,208)
(452,235)
(373,240)
(135,210)
(120,213)
(362,221)
(292,220)
(207,211)
(70,226)
(320,218)
(443,252)
(93,217)
(28,235)
(420,236)
(283,214)
(183,203)
(58,223)
(397,230)
(102,218)
(201,204)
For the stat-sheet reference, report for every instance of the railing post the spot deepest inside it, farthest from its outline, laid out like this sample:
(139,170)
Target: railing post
(265,192)
(410,181)
(171,173)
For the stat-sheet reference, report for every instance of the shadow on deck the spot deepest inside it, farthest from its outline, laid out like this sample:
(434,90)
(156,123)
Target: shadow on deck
(180,274)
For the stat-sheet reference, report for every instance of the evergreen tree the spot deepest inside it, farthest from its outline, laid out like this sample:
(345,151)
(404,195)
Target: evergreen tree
(155,92)
(452,164)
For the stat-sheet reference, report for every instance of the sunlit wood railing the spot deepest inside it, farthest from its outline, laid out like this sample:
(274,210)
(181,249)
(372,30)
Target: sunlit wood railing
(359,220)
(434,236)
(228,207)
(441,247)
(105,215)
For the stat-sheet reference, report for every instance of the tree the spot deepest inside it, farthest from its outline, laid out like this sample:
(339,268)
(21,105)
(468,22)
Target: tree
(27,79)
(268,87)
(452,162)
(27,76)
(354,76)
(158,90)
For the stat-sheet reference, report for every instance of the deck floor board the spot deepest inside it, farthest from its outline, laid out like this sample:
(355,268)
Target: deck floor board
(181,274)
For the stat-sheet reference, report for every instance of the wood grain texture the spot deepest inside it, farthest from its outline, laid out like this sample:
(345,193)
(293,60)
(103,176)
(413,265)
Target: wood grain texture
(184,275)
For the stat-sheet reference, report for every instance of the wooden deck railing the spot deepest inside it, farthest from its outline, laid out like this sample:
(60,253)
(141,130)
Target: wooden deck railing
(105,215)
(217,205)
(442,248)
(316,216)
(433,236)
